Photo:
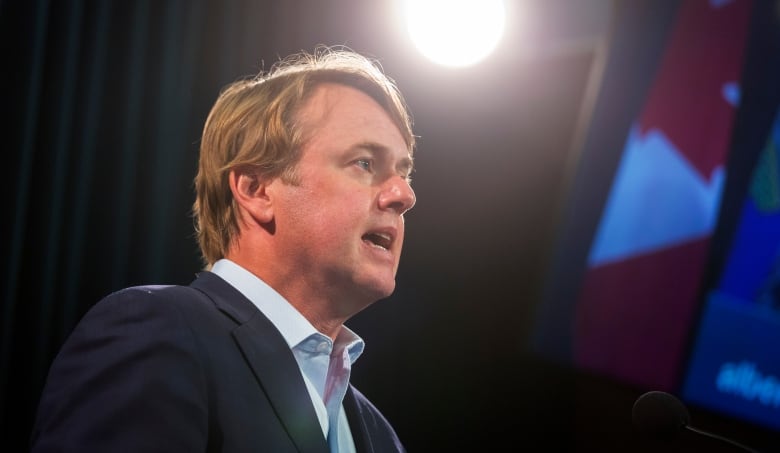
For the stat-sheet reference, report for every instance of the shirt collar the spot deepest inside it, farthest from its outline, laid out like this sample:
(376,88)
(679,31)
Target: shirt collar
(293,326)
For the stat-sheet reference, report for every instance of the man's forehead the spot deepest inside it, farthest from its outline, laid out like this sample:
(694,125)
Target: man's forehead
(326,96)
(316,110)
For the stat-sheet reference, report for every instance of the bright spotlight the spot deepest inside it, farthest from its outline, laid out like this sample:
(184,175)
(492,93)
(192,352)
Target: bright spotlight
(455,32)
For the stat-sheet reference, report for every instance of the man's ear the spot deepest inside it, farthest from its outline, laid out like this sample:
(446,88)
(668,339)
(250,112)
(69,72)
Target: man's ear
(249,191)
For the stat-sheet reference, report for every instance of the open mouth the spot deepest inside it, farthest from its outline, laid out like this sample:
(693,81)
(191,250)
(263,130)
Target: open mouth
(380,240)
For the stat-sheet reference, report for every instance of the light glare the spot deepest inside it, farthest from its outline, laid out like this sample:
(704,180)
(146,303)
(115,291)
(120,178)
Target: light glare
(455,32)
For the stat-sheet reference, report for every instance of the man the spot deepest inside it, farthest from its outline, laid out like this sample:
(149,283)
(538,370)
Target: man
(302,186)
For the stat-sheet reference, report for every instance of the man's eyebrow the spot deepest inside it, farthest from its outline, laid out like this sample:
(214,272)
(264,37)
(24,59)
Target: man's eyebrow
(406,166)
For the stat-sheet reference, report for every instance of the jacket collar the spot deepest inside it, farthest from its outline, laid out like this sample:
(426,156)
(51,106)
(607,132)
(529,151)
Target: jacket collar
(261,344)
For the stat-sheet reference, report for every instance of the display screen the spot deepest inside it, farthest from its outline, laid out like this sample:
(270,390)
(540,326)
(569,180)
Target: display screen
(667,272)
(735,363)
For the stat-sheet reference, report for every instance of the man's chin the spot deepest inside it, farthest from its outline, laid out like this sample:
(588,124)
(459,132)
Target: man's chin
(377,290)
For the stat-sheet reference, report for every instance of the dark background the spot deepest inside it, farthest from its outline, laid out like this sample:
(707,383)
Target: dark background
(103,103)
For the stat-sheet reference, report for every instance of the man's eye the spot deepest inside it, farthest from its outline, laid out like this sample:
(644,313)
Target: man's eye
(365,164)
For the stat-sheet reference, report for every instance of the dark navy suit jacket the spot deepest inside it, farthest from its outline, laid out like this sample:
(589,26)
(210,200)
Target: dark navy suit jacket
(187,369)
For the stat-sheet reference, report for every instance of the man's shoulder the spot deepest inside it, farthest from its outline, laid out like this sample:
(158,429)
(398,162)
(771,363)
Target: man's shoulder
(154,295)
(203,288)
(151,301)
(158,292)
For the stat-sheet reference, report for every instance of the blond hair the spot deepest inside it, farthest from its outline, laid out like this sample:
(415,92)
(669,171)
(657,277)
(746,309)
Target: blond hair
(252,123)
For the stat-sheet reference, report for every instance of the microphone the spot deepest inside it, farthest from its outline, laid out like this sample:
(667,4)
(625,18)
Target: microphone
(662,416)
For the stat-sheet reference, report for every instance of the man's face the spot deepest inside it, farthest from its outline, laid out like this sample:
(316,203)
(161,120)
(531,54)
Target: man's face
(341,227)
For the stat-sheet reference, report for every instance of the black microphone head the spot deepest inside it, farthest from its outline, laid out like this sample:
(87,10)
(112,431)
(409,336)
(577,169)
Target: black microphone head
(660,415)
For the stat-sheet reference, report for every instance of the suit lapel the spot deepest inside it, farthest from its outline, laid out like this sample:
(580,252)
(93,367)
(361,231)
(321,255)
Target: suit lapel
(271,361)
(357,425)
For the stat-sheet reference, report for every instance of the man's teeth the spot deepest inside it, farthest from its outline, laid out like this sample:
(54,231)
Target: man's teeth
(380,240)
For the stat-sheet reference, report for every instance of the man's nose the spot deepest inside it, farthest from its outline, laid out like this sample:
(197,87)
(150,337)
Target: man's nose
(397,195)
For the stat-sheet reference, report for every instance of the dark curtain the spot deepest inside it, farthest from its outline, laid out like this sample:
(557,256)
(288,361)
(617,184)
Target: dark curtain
(103,104)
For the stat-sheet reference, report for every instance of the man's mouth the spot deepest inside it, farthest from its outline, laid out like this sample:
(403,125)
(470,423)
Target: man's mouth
(380,240)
